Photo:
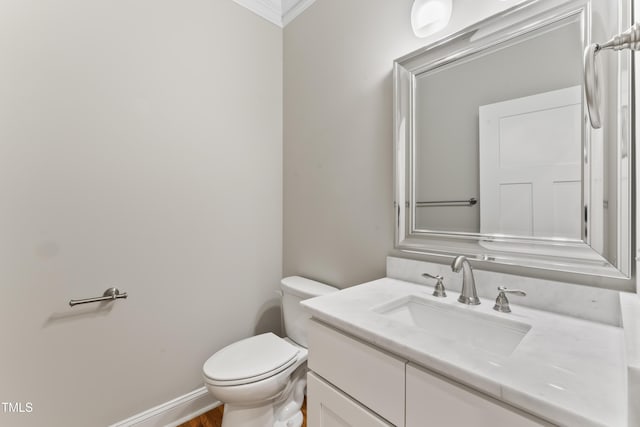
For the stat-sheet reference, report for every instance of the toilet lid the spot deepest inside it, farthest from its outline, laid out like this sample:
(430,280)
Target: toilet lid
(250,359)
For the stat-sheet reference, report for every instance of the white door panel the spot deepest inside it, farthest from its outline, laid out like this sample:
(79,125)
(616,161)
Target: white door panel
(515,214)
(530,165)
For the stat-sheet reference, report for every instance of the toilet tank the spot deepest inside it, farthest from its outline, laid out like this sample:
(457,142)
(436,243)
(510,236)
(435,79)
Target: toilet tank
(294,290)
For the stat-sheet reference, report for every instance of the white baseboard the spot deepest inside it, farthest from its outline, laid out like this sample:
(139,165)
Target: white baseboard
(174,412)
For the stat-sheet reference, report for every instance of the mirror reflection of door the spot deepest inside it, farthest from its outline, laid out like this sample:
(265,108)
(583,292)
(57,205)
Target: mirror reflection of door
(530,165)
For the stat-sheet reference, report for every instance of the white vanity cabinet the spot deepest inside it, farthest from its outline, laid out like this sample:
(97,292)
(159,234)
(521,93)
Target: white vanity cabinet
(369,376)
(329,407)
(352,383)
(432,400)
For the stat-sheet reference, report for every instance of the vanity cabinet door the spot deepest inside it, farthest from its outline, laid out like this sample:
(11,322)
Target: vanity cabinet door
(328,407)
(435,401)
(369,375)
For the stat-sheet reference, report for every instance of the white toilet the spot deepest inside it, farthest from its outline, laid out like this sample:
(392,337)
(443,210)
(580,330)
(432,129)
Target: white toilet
(262,379)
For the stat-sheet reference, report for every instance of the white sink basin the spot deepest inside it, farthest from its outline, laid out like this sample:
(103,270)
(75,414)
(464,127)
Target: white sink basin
(460,325)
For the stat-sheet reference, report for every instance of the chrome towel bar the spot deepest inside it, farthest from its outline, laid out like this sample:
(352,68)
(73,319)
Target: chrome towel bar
(110,294)
(472,201)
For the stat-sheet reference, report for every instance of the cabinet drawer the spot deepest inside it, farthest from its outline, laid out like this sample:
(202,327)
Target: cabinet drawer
(328,407)
(435,401)
(369,375)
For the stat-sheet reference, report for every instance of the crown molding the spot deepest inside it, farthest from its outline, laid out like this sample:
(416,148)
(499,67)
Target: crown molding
(278,12)
(296,7)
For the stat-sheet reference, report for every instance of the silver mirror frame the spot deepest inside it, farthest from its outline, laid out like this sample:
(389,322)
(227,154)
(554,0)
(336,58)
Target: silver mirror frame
(518,21)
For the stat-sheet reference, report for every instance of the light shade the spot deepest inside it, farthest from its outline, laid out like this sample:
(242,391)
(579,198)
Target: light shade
(430,16)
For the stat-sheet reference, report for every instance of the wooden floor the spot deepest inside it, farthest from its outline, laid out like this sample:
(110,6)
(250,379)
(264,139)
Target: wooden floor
(213,418)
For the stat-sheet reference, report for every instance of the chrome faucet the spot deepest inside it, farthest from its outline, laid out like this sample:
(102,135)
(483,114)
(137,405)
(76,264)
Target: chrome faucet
(469,294)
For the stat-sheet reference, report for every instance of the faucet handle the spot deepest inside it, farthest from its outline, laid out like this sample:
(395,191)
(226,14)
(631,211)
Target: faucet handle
(502,303)
(439,289)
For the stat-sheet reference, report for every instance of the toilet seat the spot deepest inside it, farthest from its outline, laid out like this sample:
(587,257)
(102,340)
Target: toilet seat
(250,360)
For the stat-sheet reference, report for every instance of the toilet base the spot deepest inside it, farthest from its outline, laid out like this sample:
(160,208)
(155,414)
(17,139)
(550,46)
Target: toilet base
(284,411)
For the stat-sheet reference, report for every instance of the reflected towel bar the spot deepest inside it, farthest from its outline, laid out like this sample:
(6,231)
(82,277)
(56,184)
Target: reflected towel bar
(110,294)
(472,201)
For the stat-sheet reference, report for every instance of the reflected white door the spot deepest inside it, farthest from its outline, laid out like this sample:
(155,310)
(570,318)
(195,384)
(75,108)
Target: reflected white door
(530,165)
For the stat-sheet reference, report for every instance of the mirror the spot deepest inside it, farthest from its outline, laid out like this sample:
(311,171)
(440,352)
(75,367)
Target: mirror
(494,155)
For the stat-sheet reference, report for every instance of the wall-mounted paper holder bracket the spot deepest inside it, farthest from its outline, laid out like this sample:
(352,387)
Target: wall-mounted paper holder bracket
(111,294)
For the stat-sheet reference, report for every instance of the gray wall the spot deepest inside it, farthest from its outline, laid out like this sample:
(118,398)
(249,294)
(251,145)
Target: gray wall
(140,147)
(338,203)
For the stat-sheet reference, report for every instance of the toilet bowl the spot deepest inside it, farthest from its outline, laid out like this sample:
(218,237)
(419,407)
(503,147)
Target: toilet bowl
(262,379)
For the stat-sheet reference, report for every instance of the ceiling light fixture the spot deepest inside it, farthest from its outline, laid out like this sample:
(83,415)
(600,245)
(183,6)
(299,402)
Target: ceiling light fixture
(430,16)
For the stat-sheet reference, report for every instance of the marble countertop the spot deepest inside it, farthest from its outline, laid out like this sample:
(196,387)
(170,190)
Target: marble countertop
(630,306)
(565,370)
